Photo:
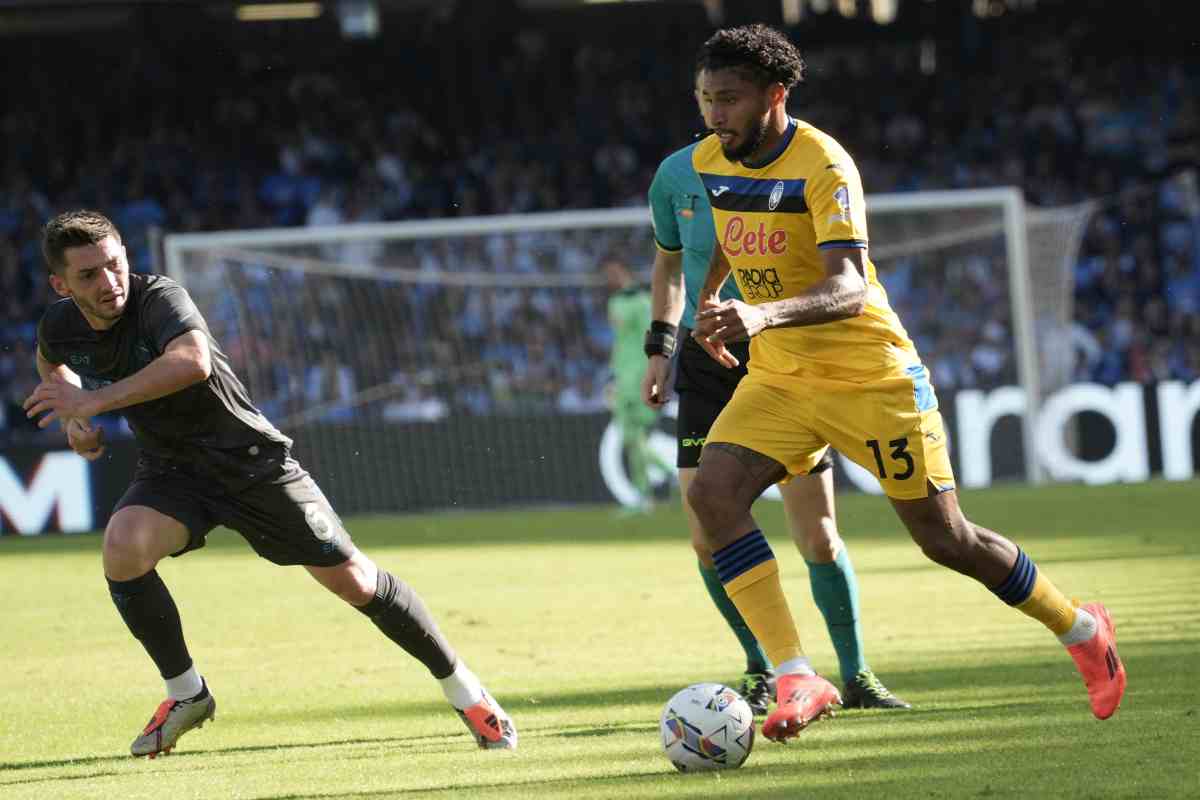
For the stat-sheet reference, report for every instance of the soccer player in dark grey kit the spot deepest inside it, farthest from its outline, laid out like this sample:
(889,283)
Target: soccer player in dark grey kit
(208,457)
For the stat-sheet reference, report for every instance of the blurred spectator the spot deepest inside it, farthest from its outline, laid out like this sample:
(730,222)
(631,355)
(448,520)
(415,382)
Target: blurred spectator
(584,395)
(416,402)
(329,386)
(317,133)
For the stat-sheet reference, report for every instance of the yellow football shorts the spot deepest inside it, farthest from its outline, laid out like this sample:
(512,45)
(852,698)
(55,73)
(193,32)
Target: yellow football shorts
(891,426)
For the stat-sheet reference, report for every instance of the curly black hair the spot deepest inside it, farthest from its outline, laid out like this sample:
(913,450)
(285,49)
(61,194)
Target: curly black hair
(764,54)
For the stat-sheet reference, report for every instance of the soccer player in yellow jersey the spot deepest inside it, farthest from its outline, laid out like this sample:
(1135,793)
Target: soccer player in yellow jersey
(830,365)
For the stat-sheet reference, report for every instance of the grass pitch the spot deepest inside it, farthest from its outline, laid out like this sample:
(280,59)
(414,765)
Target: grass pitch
(583,623)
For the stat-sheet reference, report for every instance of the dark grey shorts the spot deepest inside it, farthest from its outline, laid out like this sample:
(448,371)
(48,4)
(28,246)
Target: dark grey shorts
(286,519)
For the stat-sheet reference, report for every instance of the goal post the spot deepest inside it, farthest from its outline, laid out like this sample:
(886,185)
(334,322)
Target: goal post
(482,340)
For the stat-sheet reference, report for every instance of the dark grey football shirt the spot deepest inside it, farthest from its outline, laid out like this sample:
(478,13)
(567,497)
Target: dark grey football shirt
(210,430)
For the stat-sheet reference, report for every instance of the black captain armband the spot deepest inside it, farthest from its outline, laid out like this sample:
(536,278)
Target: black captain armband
(660,339)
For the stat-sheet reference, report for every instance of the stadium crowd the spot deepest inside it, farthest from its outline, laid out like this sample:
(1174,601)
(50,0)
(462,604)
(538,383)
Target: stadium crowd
(195,138)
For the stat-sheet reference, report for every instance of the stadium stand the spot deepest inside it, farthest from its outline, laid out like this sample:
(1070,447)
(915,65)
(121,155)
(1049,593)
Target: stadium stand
(195,130)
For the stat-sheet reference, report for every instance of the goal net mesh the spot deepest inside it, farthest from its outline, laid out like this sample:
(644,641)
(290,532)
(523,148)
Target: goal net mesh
(470,368)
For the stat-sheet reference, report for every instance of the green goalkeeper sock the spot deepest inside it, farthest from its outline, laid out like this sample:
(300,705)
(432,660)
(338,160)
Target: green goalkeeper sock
(835,590)
(756,658)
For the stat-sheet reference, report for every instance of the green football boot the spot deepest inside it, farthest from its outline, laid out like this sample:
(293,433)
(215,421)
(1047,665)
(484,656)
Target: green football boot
(757,689)
(865,690)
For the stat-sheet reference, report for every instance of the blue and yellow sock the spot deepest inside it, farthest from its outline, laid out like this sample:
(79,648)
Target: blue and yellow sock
(750,574)
(835,591)
(756,659)
(1031,593)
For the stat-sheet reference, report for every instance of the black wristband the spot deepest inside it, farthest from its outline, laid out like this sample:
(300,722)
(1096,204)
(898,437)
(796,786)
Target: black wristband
(660,339)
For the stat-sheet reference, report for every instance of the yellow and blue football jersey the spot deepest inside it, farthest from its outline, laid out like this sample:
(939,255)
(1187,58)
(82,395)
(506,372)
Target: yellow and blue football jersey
(772,221)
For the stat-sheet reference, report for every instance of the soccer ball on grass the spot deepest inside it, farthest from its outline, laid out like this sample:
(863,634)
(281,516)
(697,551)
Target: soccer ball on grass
(707,726)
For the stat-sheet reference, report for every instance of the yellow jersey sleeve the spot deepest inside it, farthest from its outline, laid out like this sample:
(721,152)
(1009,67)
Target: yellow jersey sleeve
(834,195)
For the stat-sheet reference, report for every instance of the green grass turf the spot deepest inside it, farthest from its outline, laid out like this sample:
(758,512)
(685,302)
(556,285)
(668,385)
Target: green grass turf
(583,623)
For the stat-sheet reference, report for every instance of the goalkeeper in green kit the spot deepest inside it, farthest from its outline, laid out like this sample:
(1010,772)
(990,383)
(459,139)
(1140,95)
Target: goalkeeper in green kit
(628,309)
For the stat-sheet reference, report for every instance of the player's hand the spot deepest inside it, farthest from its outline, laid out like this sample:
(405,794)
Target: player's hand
(57,398)
(726,321)
(84,439)
(731,321)
(655,391)
(705,328)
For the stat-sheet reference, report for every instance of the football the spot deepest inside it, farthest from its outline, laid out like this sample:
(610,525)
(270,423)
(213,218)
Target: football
(707,726)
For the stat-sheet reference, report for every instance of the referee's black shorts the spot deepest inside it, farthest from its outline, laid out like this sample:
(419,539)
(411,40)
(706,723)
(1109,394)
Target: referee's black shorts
(704,387)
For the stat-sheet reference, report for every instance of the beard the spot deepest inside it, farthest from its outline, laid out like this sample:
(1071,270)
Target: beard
(99,311)
(750,143)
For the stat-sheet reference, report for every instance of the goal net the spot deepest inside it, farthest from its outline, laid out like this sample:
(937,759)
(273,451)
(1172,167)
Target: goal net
(464,363)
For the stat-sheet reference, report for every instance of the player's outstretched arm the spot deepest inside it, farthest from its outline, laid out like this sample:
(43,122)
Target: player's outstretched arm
(841,295)
(185,361)
(666,308)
